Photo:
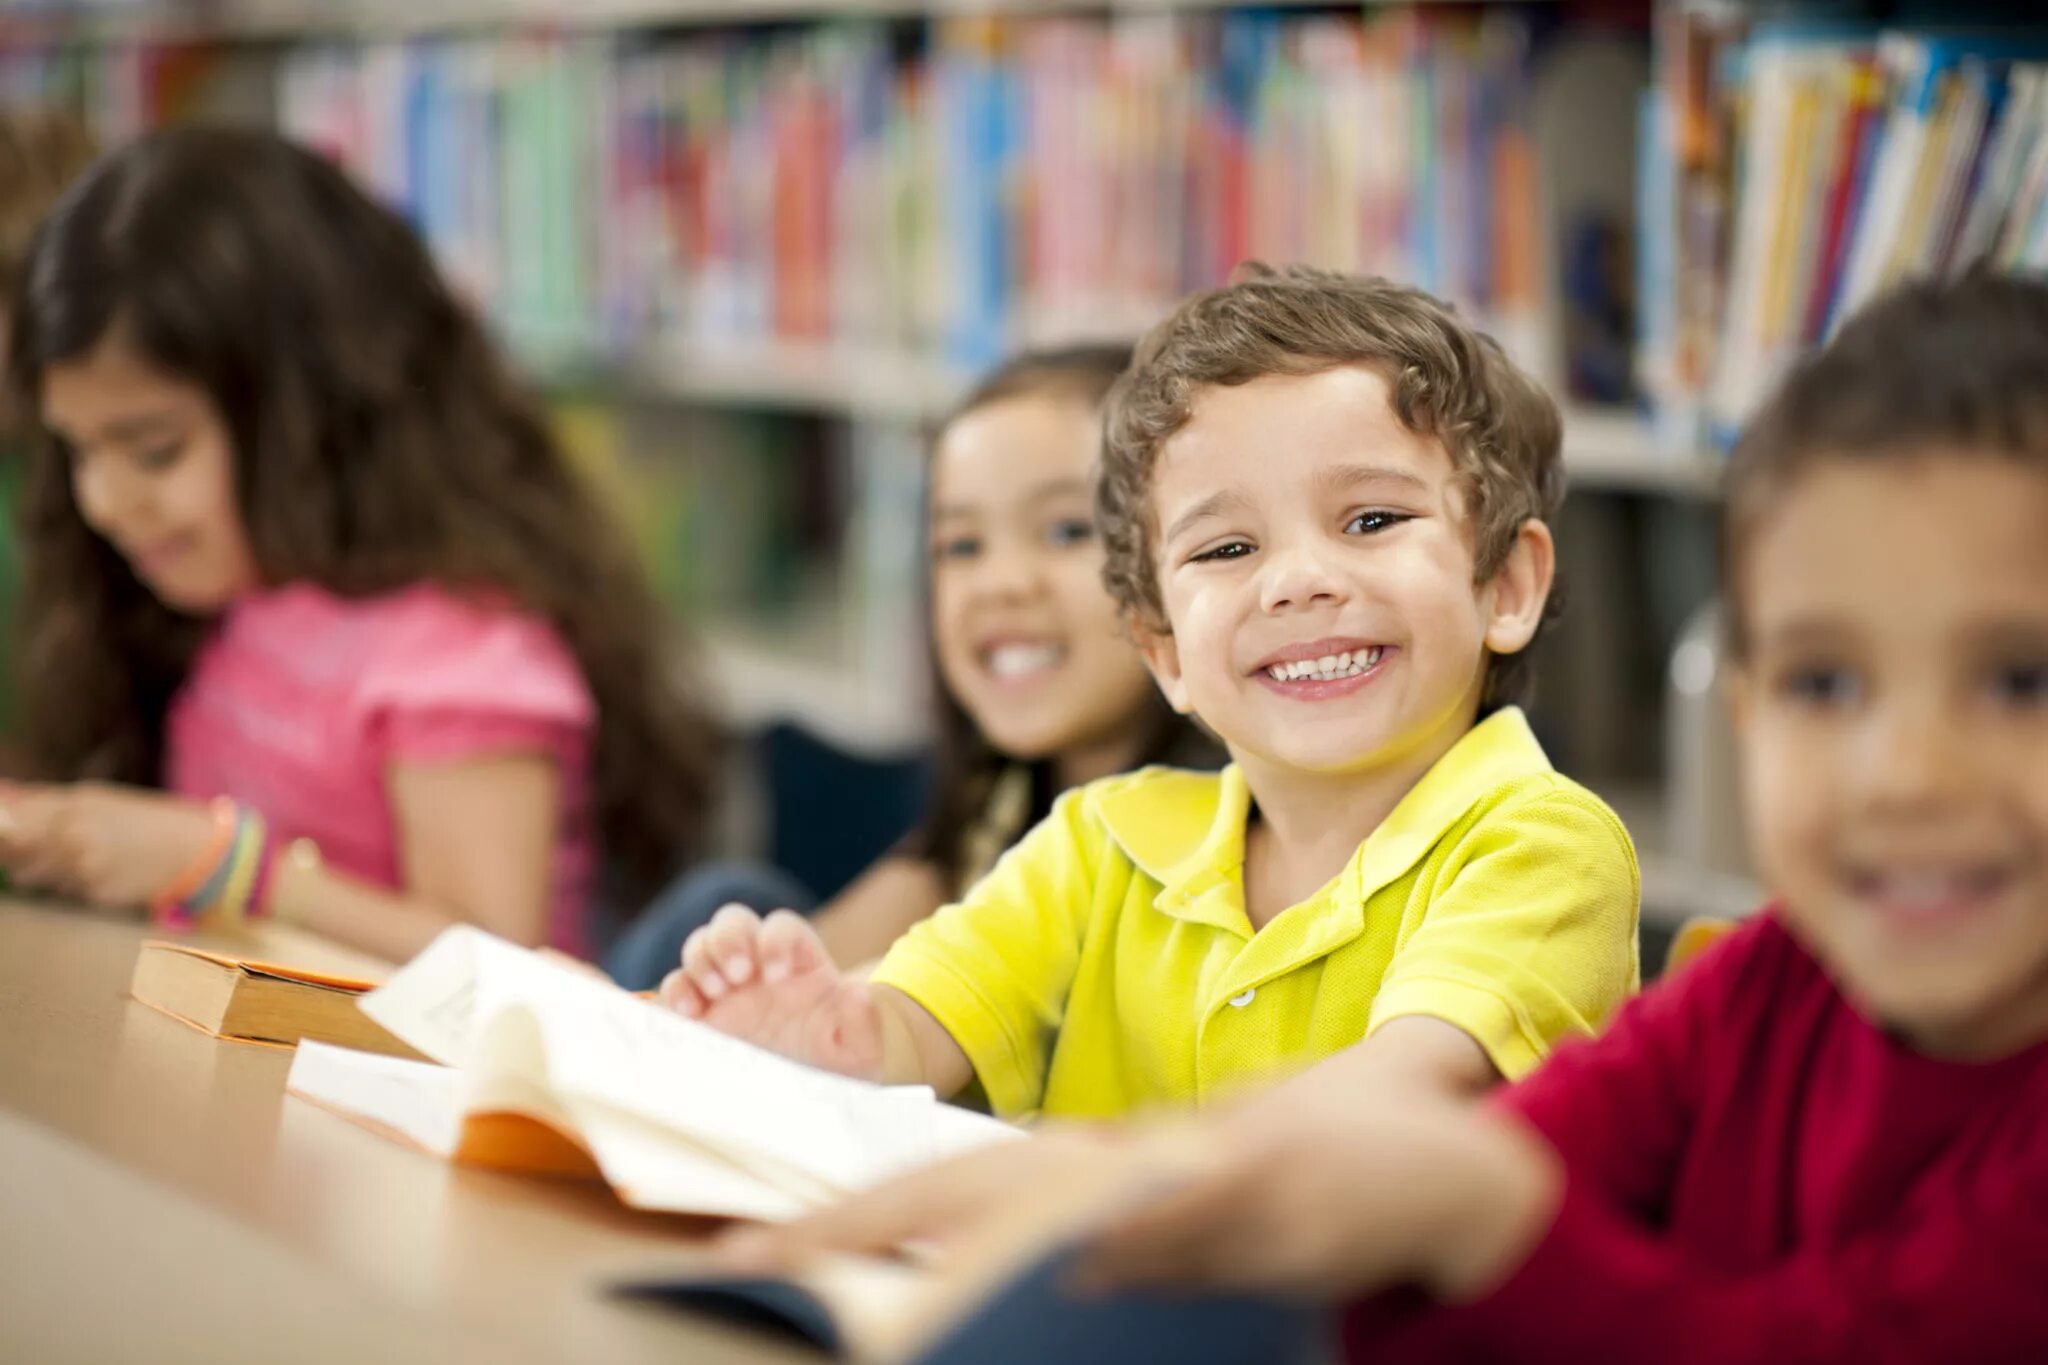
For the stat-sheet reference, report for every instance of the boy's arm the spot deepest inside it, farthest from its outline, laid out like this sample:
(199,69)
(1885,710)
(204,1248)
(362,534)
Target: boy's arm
(993,973)
(1528,938)
(771,982)
(916,1049)
(1954,1278)
(1411,1051)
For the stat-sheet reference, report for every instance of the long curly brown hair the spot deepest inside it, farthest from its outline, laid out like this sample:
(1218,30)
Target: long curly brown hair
(379,441)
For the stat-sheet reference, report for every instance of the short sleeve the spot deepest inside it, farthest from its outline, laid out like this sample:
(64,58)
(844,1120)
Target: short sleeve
(1531,935)
(452,680)
(996,969)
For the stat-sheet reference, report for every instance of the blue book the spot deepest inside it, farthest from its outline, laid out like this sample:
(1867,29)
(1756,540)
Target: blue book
(1036,1318)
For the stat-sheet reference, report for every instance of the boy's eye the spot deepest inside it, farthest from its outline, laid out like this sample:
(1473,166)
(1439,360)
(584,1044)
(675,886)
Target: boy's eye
(1820,686)
(1370,523)
(956,547)
(1067,531)
(2024,684)
(1235,549)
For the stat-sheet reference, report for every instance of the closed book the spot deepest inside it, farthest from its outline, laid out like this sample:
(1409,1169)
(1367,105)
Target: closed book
(246,1001)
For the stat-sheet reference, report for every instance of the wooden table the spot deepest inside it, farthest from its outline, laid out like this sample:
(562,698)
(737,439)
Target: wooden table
(163,1200)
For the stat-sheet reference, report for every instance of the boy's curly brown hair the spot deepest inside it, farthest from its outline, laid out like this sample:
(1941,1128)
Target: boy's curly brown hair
(1450,382)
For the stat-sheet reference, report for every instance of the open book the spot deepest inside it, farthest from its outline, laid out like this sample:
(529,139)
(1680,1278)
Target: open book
(545,1068)
(247,1001)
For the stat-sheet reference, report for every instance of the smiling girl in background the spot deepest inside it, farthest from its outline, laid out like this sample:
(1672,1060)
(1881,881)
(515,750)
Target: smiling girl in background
(303,556)
(1040,688)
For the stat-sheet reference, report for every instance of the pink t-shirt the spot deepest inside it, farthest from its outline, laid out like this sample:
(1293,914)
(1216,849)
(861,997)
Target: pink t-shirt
(300,702)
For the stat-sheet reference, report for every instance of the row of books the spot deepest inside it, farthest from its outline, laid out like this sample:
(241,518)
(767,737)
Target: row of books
(950,188)
(1793,172)
(119,90)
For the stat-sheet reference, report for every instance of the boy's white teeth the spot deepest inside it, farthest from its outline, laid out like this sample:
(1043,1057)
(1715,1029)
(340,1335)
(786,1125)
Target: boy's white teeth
(1014,661)
(1925,888)
(1329,668)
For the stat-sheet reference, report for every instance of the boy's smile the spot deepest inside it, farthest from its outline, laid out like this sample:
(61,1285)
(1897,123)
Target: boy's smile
(1324,669)
(1894,710)
(1316,564)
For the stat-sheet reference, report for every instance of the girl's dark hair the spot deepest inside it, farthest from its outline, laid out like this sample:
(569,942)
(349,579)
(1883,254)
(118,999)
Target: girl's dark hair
(968,767)
(379,442)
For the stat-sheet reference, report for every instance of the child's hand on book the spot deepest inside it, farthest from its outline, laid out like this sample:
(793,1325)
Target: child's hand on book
(771,982)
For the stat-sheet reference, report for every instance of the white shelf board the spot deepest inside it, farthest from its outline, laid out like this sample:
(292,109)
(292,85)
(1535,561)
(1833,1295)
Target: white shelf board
(1603,449)
(757,679)
(1620,449)
(822,378)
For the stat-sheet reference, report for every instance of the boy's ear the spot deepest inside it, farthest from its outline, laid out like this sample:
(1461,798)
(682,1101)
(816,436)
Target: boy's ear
(1521,588)
(1162,658)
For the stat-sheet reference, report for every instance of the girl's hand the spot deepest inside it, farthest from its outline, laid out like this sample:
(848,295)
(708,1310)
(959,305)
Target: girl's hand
(111,846)
(772,983)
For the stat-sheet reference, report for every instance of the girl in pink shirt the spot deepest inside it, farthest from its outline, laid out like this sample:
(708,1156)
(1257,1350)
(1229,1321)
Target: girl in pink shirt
(302,555)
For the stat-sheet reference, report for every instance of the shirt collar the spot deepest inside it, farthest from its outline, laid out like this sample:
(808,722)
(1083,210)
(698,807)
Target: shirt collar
(1185,830)
(1496,751)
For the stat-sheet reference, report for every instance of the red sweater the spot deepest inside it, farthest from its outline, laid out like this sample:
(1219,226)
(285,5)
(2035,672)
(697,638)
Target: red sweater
(1755,1173)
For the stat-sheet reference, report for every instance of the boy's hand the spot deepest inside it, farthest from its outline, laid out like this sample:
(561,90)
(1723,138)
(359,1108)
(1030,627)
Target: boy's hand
(1347,1194)
(772,983)
(112,846)
(963,1202)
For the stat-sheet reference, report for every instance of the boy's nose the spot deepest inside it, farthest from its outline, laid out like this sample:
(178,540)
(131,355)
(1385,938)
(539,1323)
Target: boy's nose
(1299,578)
(1915,758)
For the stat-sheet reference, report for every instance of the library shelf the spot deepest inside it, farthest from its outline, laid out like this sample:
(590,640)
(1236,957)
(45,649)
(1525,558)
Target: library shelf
(285,20)
(1610,449)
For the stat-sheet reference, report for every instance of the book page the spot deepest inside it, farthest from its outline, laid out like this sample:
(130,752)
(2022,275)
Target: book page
(661,1171)
(416,1102)
(303,975)
(810,1132)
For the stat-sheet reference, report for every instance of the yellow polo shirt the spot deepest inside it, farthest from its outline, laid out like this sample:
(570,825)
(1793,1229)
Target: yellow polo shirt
(1106,963)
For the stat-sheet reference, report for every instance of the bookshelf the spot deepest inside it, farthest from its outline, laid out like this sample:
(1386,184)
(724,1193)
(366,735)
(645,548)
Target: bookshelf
(668,339)
(246,21)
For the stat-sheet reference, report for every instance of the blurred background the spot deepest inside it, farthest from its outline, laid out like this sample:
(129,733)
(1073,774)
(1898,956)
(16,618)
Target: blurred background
(750,249)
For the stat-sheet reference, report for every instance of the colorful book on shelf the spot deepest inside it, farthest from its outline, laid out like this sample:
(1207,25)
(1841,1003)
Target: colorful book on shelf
(1867,157)
(1006,180)
(246,1001)
(547,1069)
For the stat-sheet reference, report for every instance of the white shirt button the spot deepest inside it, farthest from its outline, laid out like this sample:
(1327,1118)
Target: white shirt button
(1240,1001)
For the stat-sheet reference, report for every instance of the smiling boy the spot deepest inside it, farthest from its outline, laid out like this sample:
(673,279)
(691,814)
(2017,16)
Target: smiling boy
(1324,504)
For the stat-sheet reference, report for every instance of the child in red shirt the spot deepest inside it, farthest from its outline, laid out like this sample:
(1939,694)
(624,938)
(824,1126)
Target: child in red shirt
(1827,1140)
